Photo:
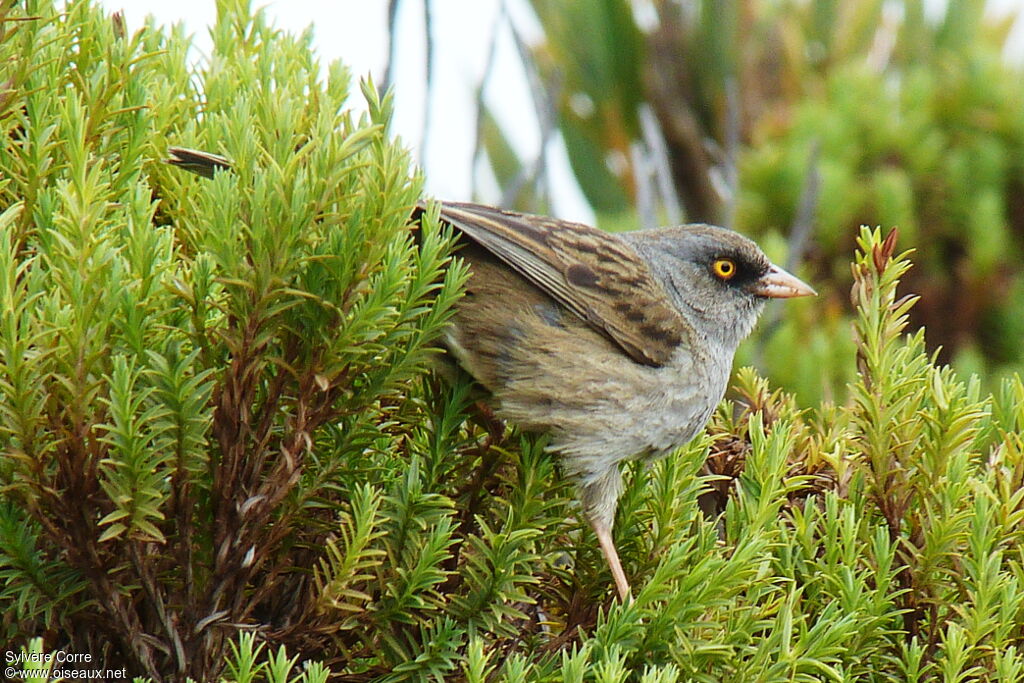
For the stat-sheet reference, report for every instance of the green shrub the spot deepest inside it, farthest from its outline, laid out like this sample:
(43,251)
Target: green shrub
(223,454)
(198,377)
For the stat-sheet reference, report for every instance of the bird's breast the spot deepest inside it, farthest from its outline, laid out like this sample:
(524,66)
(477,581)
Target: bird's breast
(680,399)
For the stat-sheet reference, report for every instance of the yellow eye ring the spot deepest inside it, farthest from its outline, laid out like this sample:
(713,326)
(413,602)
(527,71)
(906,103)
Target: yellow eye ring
(724,268)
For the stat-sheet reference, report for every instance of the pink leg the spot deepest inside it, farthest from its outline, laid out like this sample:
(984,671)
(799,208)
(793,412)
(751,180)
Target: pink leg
(604,537)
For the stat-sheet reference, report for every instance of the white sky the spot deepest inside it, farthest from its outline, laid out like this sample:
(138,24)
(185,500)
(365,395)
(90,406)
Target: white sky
(355,31)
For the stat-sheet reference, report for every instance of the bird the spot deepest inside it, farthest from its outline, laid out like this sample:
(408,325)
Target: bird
(617,346)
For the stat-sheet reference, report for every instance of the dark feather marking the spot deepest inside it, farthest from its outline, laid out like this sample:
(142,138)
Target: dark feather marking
(630,312)
(660,333)
(635,316)
(581,276)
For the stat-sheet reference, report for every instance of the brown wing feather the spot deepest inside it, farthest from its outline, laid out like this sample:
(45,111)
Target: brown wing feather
(590,272)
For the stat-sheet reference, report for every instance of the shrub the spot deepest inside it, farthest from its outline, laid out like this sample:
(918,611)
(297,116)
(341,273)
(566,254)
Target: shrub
(198,380)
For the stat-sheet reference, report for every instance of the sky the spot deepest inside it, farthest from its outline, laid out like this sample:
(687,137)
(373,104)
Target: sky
(355,31)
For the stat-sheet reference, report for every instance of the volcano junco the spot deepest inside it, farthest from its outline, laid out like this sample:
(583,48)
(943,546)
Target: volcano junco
(617,345)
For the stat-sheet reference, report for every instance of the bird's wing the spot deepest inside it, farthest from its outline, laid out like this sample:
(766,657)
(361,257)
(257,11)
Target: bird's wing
(590,272)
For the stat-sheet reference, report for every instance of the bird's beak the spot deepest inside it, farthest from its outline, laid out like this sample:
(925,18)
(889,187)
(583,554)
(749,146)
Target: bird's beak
(778,284)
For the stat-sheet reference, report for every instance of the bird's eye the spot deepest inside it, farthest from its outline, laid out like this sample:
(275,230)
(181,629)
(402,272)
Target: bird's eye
(724,268)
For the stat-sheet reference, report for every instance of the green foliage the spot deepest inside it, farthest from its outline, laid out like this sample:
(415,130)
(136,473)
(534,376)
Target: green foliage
(222,454)
(190,370)
(796,122)
(937,153)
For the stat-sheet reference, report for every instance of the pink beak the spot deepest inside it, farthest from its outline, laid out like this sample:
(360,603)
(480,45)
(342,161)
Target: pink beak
(778,284)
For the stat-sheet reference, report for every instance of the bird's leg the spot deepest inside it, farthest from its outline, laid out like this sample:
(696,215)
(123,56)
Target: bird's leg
(600,496)
(604,537)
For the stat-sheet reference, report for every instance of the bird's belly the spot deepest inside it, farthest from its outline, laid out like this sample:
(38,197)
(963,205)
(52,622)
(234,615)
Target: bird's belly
(631,412)
(667,413)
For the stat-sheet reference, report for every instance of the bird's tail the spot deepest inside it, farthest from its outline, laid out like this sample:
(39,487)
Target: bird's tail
(196,161)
